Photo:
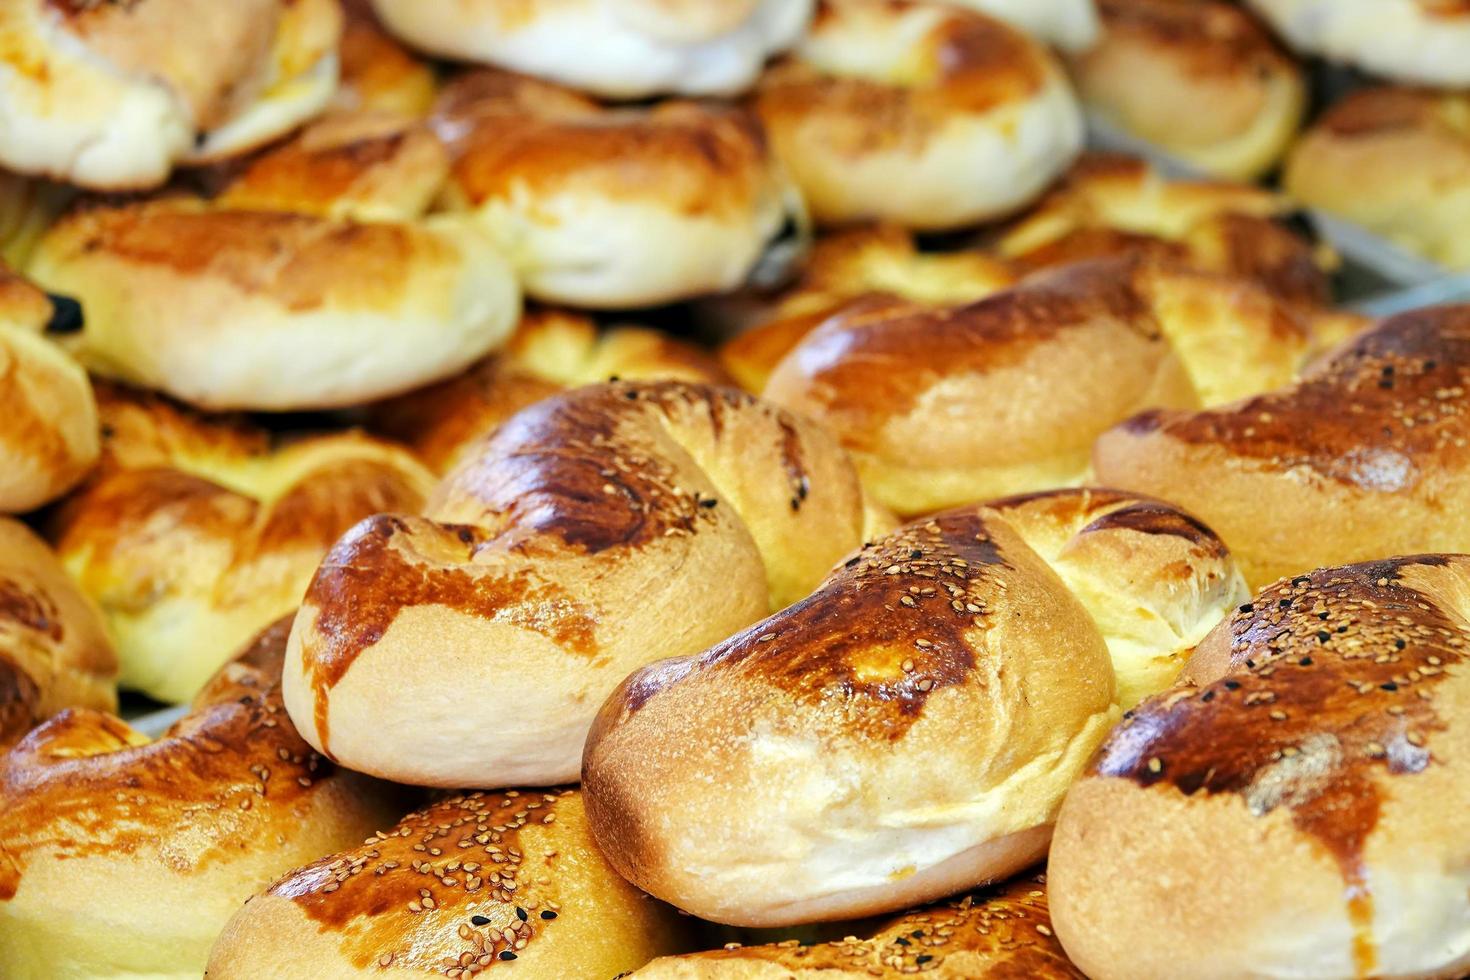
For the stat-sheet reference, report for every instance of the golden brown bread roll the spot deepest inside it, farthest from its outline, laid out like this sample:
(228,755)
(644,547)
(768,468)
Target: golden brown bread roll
(922,114)
(124,857)
(1361,458)
(494,882)
(976,642)
(1301,807)
(196,532)
(594,532)
(54,652)
(113,95)
(1420,41)
(1396,161)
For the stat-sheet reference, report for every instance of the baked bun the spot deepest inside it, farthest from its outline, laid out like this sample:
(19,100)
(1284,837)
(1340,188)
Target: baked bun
(312,280)
(620,49)
(617,208)
(1005,932)
(378,73)
(951,646)
(1363,457)
(1422,41)
(477,881)
(922,114)
(54,652)
(48,435)
(1301,807)
(1396,161)
(196,533)
(1160,61)
(1068,24)
(944,405)
(581,540)
(114,95)
(551,351)
(124,857)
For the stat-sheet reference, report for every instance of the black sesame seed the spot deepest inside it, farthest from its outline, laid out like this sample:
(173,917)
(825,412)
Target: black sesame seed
(1251,664)
(1232,685)
(708,503)
(795,504)
(1284,604)
(1207,696)
(851,562)
(548,914)
(632,396)
(917,934)
(1343,628)
(1248,607)
(1301,580)
(916,553)
(922,959)
(521,914)
(466,536)
(901,941)
(506,954)
(1389,686)
(1322,616)
(614,377)
(479,920)
(1399,644)
(1323,636)
(1305,661)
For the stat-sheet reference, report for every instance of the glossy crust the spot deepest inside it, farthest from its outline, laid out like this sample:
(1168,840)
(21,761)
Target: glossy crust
(1363,457)
(500,882)
(1159,61)
(1397,161)
(989,935)
(1315,761)
(197,532)
(1419,41)
(952,646)
(94,816)
(922,114)
(596,531)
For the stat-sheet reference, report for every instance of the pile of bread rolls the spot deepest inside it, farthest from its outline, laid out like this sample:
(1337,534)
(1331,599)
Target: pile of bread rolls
(727,488)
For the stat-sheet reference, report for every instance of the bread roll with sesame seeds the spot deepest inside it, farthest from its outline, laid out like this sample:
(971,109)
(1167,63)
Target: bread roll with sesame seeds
(1365,456)
(124,857)
(478,881)
(1301,806)
(993,641)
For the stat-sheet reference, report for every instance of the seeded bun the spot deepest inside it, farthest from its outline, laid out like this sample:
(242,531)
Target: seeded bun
(1300,807)
(93,816)
(1421,41)
(954,645)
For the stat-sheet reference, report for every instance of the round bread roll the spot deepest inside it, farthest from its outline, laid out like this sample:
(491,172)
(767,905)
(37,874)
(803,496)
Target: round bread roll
(378,73)
(1068,24)
(923,114)
(944,405)
(54,651)
(478,881)
(620,49)
(124,857)
(1363,457)
(618,208)
(1423,41)
(551,351)
(1396,161)
(196,533)
(1001,933)
(1300,808)
(313,280)
(113,95)
(1160,61)
(581,540)
(952,646)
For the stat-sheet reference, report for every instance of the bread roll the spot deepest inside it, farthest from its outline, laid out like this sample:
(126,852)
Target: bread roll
(1421,41)
(954,645)
(1301,807)
(499,882)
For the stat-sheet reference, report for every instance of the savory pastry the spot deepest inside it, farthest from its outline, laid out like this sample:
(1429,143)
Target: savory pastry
(54,652)
(124,857)
(593,533)
(620,49)
(1397,162)
(1422,41)
(477,881)
(1069,24)
(923,114)
(1301,807)
(617,207)
(1364,457)
(975,643)
(196,533)
(1201,80)
(113,95)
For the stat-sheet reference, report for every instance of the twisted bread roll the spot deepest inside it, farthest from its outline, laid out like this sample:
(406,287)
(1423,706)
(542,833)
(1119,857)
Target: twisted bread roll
(1362,457)
(113,95)
(53,649)
(197,533)
(1316,763)
(976,642)
(620,49)
(1421,41)
(582,540)
(478,881)
(124,857)
(922,114)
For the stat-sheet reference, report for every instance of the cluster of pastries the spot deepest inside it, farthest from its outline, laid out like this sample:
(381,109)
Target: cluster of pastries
(727,488)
